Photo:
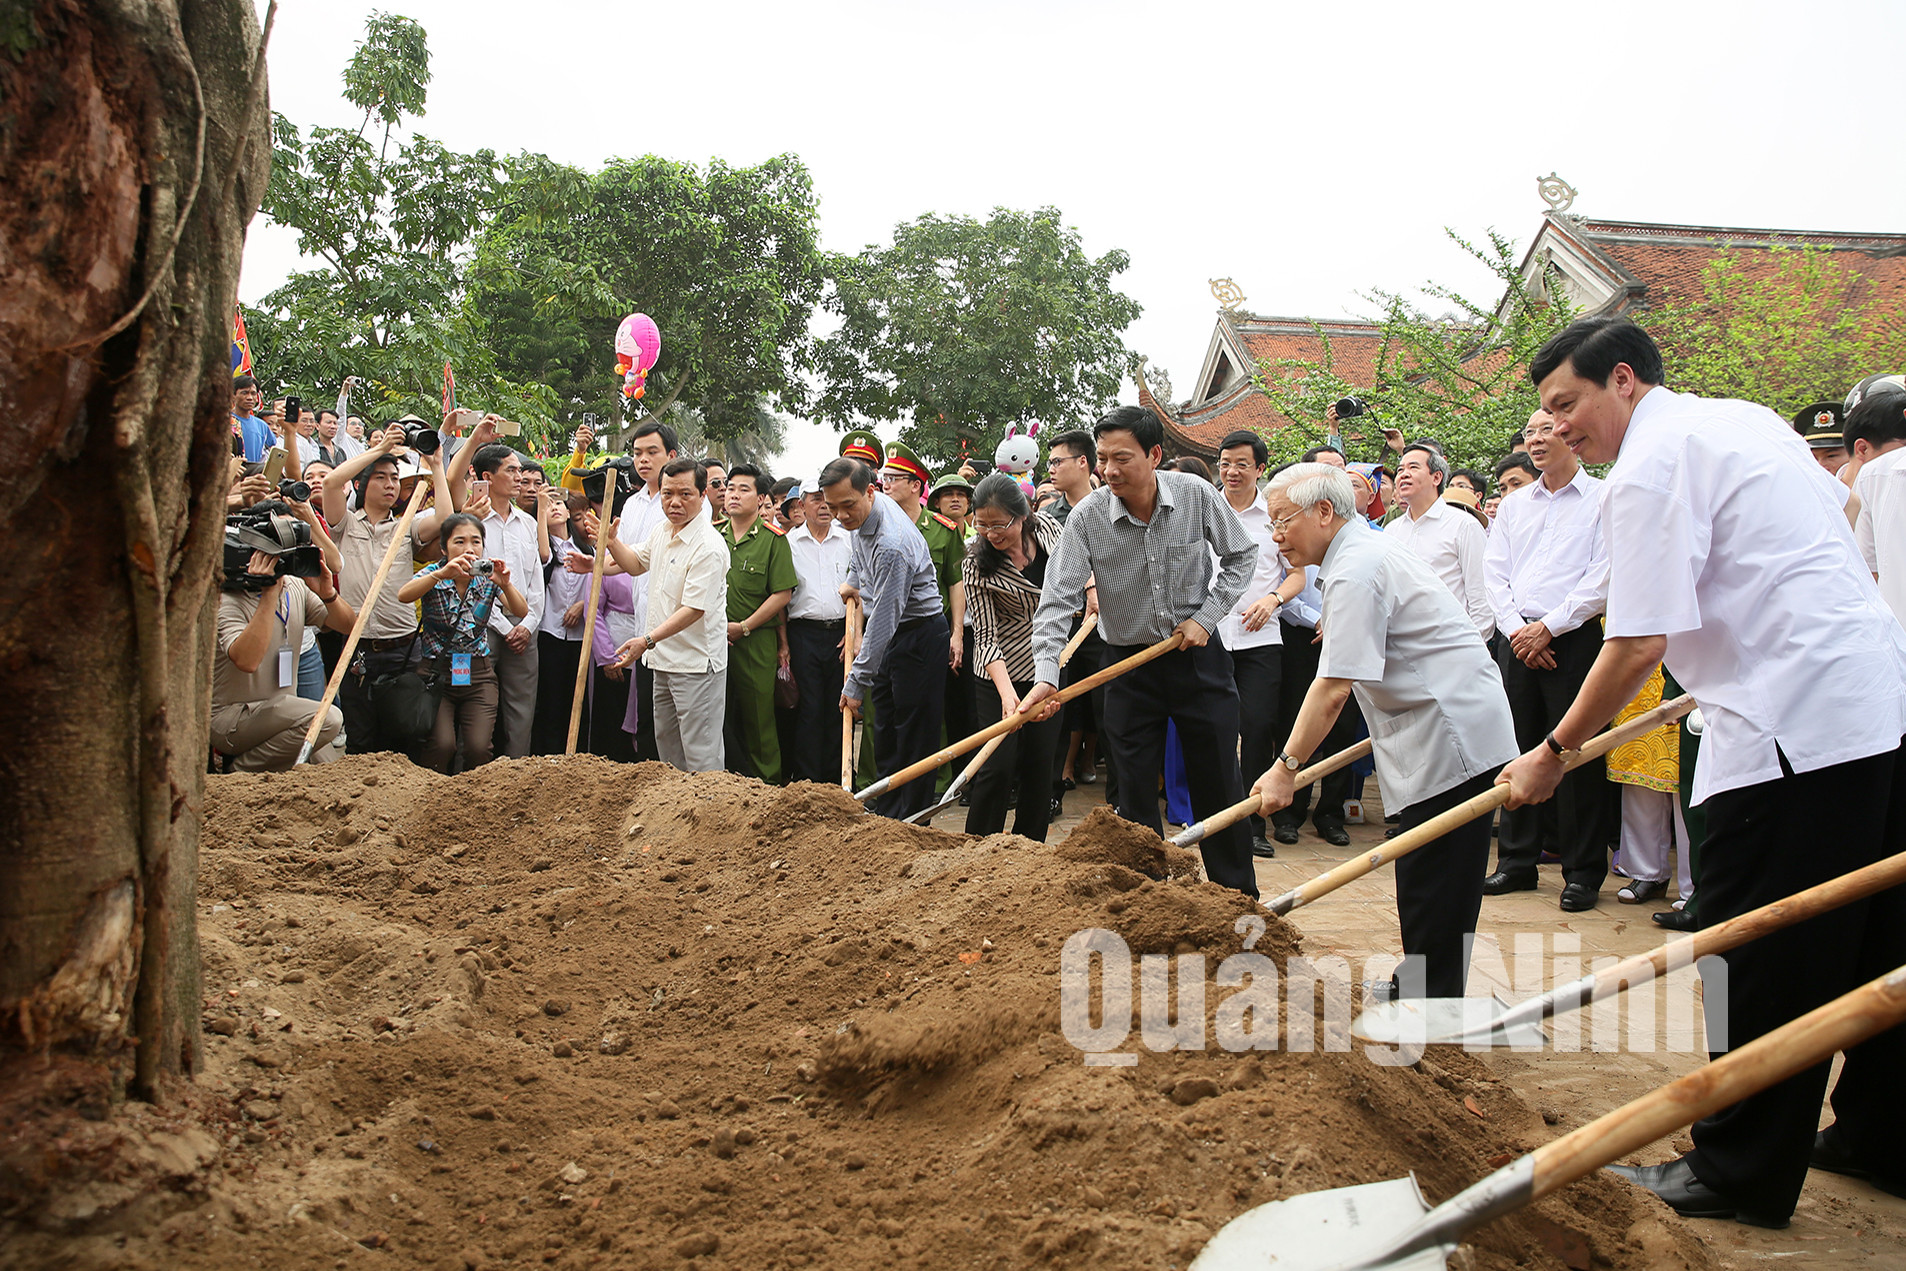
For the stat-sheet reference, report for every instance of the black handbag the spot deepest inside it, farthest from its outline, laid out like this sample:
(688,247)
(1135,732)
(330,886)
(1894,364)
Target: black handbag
(406,706)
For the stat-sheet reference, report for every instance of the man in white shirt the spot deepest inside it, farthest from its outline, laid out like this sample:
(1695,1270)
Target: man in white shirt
(1876,433)
(1439,724)
(510,532)
(686,649)
(1547,576)
(1447,539)
(652,447)
(1730,558)
(1251,630)
(817,622)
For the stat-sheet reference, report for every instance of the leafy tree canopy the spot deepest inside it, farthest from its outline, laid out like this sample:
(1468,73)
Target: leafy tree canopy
(1786,327)
(962,327)
(393,231)
(723,258)
(1461,377)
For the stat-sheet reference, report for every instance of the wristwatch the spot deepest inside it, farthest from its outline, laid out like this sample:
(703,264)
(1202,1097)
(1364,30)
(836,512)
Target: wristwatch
(1289,760)
(1557,748)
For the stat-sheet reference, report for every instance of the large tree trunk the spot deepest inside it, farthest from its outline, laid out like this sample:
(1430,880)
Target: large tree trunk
(132,136)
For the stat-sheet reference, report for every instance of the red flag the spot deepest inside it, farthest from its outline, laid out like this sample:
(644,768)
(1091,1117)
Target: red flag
(241,346)
(449,390)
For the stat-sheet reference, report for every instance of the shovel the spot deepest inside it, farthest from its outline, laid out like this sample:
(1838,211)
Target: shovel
(952,794)
(1389,1227)
(1245,807)
(1007,725)
(848,650)
(1469,810)
(1459,1021)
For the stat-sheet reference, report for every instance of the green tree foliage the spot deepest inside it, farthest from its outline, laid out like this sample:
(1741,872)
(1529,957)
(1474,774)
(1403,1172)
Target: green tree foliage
(393,231)
(1461,378)
(1785,328)
(723,258)
(962,327)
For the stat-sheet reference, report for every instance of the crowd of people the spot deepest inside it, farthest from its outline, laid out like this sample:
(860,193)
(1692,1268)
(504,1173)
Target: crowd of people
(1461,620)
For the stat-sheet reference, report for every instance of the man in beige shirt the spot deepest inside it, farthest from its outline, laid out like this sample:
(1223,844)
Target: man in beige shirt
(258,719)
(687,650)
(363,535)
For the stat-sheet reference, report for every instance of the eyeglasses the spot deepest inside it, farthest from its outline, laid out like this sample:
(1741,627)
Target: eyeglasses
(1546,430)
(1278,523)
(994,527)
(1235,466)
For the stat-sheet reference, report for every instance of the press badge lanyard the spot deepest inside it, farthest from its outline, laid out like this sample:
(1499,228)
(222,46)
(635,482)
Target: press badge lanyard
(460,662)
(287,656)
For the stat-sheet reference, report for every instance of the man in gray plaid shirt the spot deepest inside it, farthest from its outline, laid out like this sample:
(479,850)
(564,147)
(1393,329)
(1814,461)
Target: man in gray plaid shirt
(1145,541)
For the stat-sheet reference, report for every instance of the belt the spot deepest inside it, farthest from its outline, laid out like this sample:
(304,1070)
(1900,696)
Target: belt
(392,642)
(911,623)
(832,624)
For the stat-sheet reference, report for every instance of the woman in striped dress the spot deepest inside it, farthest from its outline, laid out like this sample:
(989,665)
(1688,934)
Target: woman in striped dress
(1004,570)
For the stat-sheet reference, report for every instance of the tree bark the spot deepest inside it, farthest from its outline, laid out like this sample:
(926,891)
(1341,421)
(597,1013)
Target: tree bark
(133,136)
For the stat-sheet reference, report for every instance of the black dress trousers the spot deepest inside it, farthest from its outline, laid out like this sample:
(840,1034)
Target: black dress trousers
(1195,689)
(1439,887)
(1576,824)
(1258,673)
(814,655)
(1764,842)
(909,697)
(1025,755)
(1301,656)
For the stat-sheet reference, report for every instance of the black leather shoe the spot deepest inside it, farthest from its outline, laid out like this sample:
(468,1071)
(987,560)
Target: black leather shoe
(1688,1196)
(1676,920)
(1334,835)
(1285,833)
(1579,896)
(1260,846)
(1502,882)
(1827,1155)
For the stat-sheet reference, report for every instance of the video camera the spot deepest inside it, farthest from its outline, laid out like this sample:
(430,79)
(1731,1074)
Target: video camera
(268,527)
(595,480)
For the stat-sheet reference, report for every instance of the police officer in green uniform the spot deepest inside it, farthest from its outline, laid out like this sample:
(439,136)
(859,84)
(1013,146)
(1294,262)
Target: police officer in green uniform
(951,499)
(761,581)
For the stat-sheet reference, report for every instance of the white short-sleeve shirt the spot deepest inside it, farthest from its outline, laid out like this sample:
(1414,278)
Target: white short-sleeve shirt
(1268,574)
(1430,692)
(1881,531)
(1725,536)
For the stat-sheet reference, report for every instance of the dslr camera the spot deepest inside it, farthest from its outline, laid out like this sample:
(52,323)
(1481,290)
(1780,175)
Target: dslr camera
(595,483)
(421,436)
(295,492)
(268,527)
(1350,408)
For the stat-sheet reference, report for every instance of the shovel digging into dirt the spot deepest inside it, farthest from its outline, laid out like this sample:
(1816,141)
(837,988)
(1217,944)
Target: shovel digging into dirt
(1482,805)
(1245,807)
(1459,1021)
(1007,725)
(1388,1226)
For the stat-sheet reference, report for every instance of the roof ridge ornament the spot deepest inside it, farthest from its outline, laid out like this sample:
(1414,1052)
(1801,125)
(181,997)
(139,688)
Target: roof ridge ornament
(1557,193)
(1227,293)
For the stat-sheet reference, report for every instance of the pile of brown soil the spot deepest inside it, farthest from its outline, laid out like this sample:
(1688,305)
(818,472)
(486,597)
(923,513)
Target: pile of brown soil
(578,1014)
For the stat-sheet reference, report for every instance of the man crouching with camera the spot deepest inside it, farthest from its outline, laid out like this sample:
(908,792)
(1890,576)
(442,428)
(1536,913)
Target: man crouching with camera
(258,719)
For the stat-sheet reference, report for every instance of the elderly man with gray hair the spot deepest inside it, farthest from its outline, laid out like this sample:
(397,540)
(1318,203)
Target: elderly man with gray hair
(1439,722)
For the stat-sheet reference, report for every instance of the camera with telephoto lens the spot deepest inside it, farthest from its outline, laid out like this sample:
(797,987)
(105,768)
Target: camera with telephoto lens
(483,568)
(421,436)
(270,528)
(295,491)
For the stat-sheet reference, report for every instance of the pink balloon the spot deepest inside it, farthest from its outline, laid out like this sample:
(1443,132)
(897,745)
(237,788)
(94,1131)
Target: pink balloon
(639,340)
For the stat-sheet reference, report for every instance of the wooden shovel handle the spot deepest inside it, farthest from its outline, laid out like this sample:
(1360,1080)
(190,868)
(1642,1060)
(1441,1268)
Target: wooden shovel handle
(1469,810)
(852,647)
(1072,645)
(1793,1047)
(363,617)
(1246,806)
(587,661)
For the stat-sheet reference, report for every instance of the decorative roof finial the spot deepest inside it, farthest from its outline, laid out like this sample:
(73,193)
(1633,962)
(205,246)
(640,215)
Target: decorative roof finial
(1227,294)
(1557,193)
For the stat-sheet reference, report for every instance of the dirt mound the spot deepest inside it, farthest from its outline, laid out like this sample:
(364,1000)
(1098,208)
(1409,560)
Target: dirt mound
(573,1013)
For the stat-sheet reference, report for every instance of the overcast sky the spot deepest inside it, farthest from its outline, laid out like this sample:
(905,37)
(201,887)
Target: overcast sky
(1311,152)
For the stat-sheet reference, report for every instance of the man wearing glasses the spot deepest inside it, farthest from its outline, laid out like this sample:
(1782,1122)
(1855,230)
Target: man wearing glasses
(1546,570)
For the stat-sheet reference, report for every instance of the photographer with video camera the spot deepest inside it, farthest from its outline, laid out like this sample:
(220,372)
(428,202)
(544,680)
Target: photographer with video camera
(364,533)
(265,605)
(459,595)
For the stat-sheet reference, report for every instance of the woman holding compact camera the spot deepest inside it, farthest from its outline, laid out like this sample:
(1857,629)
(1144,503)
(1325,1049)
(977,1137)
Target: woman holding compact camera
(459,593)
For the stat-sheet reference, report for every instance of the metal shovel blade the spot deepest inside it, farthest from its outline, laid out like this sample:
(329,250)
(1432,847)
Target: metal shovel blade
(1341,1228)
(1474,1022)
